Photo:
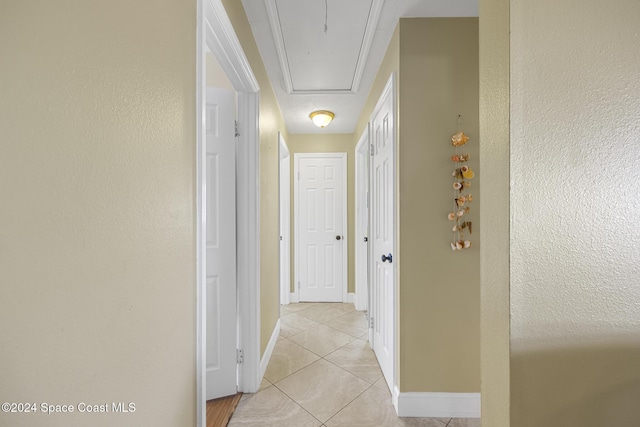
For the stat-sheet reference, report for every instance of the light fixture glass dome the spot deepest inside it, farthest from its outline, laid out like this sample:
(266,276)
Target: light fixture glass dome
(321,118)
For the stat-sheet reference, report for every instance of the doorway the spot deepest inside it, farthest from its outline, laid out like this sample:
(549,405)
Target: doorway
(216,33)
(383,226)
(320,220)
(220,236)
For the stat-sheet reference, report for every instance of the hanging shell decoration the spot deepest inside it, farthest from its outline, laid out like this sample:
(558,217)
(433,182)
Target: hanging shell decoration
(459,139)
(461,176)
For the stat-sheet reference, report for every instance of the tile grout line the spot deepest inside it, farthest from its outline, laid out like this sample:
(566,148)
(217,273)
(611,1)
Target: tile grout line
(326,360)
(350,402)
(353,339)
(302,407)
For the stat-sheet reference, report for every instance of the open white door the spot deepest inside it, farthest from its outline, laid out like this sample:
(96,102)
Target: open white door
(285,223)
(220,291)
(321,245)
(383,232)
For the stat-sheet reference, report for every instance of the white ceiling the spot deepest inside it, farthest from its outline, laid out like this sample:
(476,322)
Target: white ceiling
(313,70)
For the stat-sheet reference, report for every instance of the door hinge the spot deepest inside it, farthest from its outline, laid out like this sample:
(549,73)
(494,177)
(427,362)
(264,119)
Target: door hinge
(298,175)
(371,323)
(236,128)
(372,150)
(239,356)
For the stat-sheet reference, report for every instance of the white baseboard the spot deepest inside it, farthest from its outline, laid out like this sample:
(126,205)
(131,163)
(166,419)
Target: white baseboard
(359,303)
(286,299)
(394,399)
(267,351)
(293,298)
(424,405)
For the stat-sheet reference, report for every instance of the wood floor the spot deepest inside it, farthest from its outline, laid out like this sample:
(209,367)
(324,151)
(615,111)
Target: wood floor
(219,411)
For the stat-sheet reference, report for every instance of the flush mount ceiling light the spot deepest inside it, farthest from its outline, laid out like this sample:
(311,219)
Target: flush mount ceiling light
(321,118)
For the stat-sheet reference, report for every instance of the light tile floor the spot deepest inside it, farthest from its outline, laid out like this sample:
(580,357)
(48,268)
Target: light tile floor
(323,373)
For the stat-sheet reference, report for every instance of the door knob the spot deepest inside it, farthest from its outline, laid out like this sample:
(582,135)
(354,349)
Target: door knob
(338,237)
(387,258)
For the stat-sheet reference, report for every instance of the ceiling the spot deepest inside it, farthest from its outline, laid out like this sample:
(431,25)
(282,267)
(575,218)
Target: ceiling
(313,69)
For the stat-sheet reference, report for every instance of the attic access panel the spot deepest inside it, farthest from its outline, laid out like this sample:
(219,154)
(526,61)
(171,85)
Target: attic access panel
(315,61)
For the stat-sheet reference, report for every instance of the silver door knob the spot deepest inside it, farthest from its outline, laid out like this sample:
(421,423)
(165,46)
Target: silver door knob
(387,258)
(338,237)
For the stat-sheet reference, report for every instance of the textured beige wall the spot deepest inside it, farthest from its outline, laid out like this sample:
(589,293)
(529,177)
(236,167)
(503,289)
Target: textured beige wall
(271,122)
(494,216)
(329,143)
(97,182)
(216,77)
(438,80)
(575,240)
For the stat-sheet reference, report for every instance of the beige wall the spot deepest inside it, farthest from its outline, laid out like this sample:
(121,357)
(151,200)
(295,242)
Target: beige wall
(575,240)
(439,288)
(271,122)
(216,77)
(437,68)
(494,216)
(329,143)
(97,182)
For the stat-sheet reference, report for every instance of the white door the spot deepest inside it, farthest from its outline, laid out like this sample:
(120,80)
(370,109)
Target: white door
(382,231)
(362,222)
(285,224)
(321,245)
(220,289)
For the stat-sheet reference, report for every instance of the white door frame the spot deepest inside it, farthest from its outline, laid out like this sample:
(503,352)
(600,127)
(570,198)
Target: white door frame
(285,221)
(362,221)
(295,296)
(214,30)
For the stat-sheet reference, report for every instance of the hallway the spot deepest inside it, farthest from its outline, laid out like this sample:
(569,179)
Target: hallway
(323,373)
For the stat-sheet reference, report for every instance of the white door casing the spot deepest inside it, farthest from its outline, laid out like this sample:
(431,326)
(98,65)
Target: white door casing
(383,231)
(320,223)
(220,292)
(285,222)
(362,222)
(215,32)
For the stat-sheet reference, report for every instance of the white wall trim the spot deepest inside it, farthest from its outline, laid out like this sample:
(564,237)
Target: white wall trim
(201,273)
(284,204)
(293,298)
(223,42)
(394,398)
(454,405)
(248,243)
(269,350)
(365,48)
(276,31)
(361,191)
(370,32)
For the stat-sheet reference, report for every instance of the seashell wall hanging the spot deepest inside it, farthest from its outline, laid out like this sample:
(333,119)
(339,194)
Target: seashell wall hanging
(462,174)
